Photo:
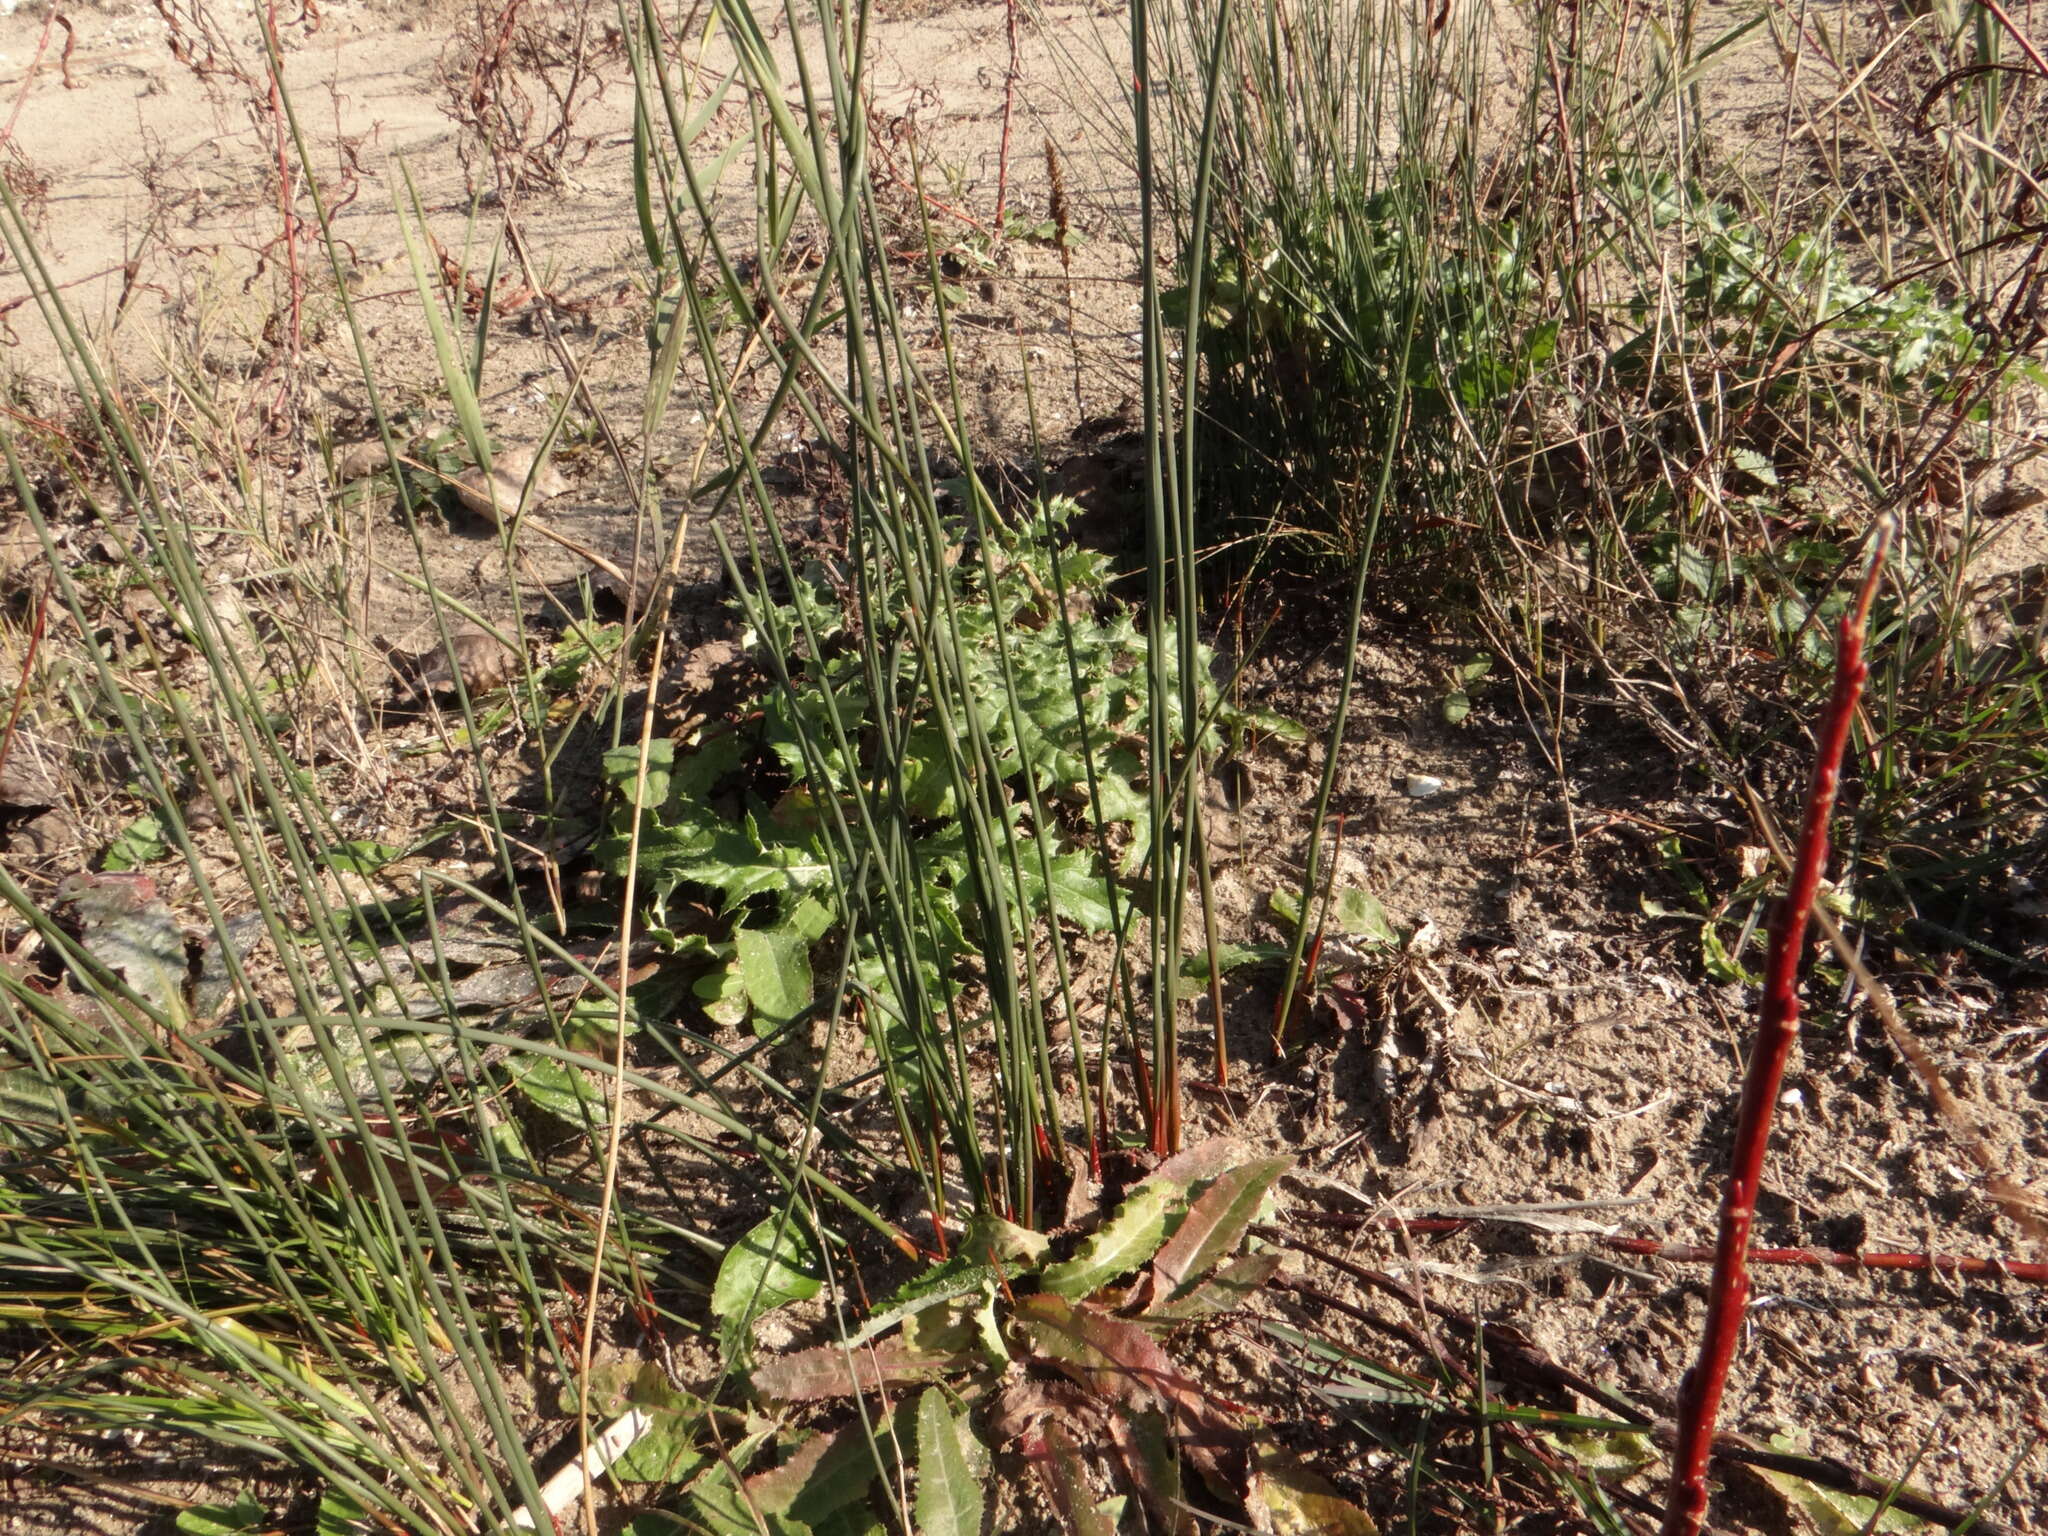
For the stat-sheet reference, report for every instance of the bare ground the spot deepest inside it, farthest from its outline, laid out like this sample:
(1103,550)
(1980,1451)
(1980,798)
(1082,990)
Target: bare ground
(1549,1039)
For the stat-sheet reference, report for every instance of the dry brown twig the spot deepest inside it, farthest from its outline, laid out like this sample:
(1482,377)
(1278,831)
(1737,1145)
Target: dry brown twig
(518,73)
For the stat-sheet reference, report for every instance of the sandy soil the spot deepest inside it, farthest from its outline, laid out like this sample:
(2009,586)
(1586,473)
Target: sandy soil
(1550,1039)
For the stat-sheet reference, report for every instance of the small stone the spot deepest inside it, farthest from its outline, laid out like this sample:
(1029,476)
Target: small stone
(1421,786)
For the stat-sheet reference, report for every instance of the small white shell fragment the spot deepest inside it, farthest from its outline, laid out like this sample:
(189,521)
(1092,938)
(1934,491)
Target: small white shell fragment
(1421,786)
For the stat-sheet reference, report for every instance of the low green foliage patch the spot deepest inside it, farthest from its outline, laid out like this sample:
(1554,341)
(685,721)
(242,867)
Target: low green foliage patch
(1000,1347)
(1058,687)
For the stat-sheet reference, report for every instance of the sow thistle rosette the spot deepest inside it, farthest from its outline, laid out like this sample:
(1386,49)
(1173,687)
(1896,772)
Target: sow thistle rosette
(1060,689)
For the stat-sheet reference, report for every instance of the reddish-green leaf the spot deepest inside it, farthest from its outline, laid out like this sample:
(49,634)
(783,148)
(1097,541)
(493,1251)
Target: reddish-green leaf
(1215,1224)
(1125,1242)
(1119,1360)
(950,1501)
(1198,1164)
(1066,1479)
(826,1474)
(1225,1291)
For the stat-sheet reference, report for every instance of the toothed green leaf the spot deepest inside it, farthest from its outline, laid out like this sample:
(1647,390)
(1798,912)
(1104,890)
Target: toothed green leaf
(1126,1242)
(949,1498)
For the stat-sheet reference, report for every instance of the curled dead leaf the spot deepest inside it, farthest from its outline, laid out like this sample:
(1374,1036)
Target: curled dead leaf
(52,834)
(28,783)
(479,658)
(359,461)
(495,496)
(1028,1401)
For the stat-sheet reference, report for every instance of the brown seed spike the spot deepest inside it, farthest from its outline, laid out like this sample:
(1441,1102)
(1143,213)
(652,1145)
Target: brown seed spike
(1058,199)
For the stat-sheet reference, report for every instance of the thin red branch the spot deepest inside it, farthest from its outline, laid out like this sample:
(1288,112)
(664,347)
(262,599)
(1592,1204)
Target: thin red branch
(1688,1253)
(29,79)
(1699,1394)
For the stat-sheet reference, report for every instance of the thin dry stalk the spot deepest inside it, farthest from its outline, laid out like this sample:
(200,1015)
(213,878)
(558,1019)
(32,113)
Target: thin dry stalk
(1062,222)
(28,668)
(1010,76)
(1699,1394)
(291,230)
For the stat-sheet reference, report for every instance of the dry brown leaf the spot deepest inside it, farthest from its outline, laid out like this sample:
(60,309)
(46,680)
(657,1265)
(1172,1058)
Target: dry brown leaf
(482,660)
(831,1370)
(496,495)
(359,461)
(27,784)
